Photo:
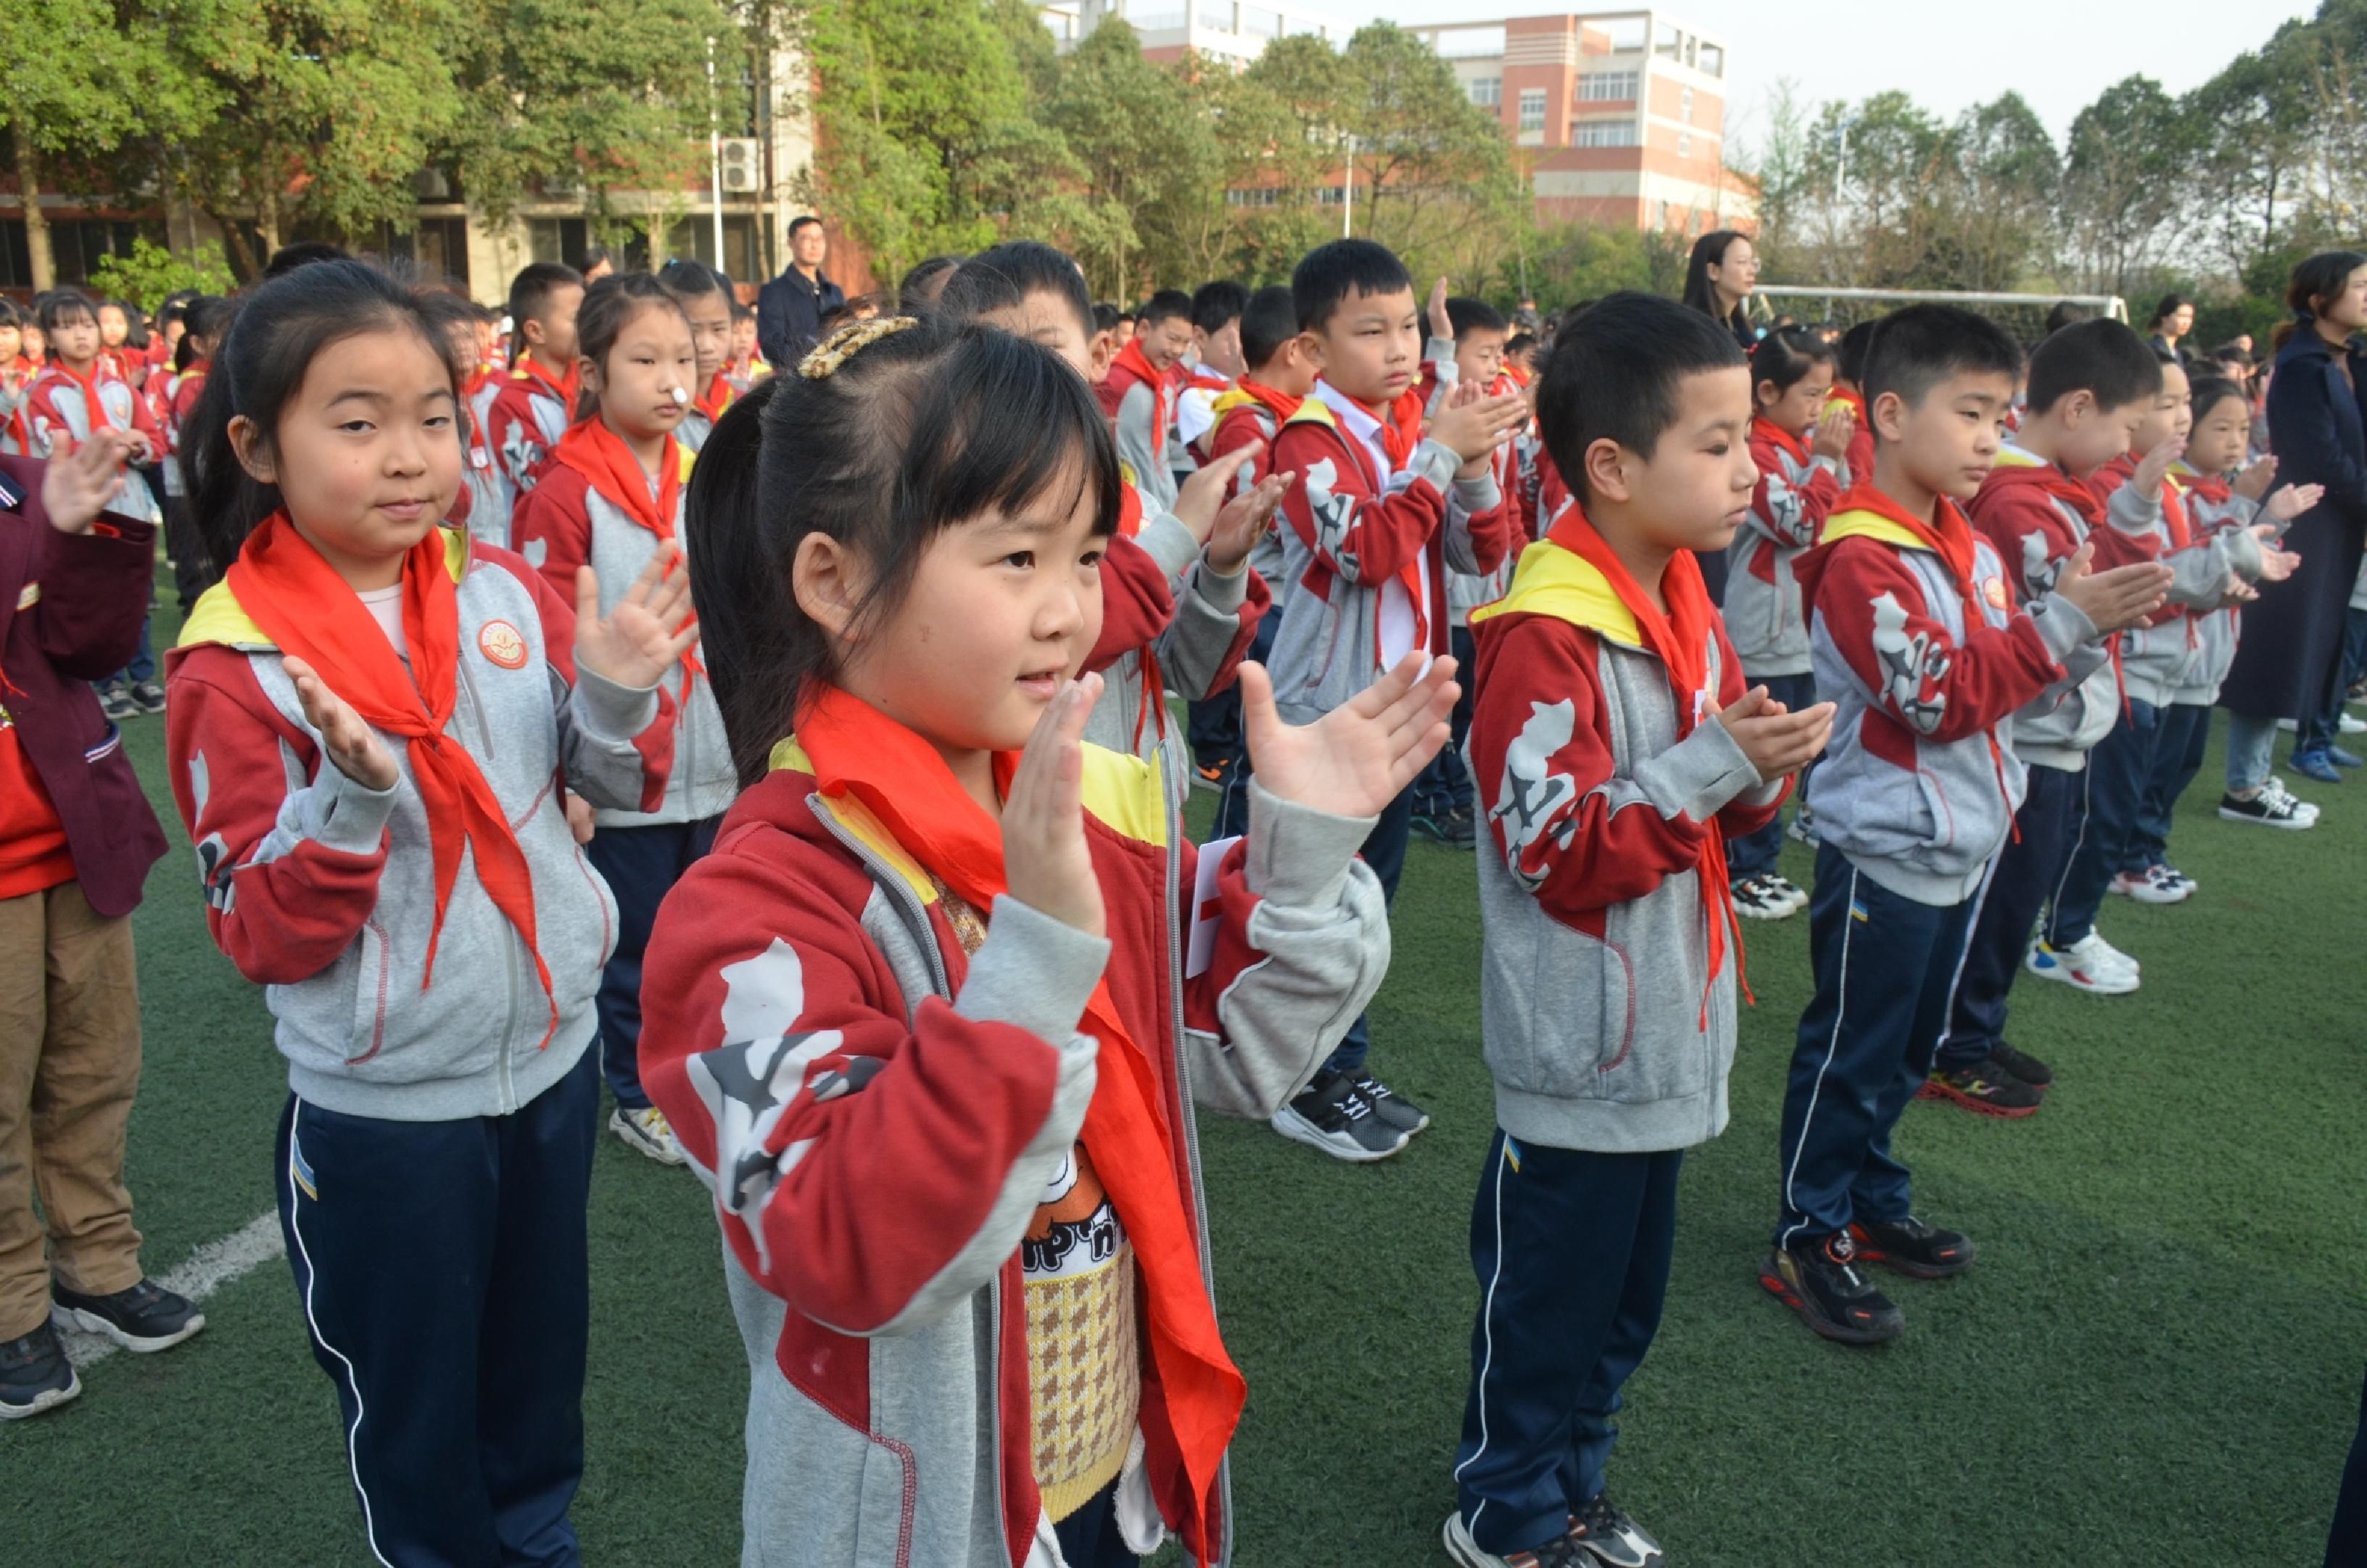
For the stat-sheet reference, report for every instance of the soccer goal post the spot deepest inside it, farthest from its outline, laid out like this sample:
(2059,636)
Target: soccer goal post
(2023,314)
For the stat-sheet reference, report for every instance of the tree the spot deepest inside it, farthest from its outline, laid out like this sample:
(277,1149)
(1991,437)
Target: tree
(150,272)
(85,77)
(1996,196)
(2248,180)
(2124,183)
(604,98)
(338,103)
(1148,157)
(1441,170)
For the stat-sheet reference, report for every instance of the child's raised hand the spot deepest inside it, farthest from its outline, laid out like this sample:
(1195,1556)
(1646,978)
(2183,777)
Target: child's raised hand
(1199,499)
(353,747)
(2293,500)
(1245,519)
(1834,431)
(2116,599)
(648,631)
(2276,566)
(1046,864)
(76,487)
(2253,481)
(2153,469)
(1776,740)
(1354,760)
(1473,424)
(1441,324)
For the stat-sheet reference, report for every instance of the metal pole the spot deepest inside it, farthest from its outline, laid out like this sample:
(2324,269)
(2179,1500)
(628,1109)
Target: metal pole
(1348,196)
(714,154)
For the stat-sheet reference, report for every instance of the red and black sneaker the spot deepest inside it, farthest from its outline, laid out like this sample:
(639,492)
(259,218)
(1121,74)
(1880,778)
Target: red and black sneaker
(1909,1247)
(2022,1065)
(1985,1087)
(1819,1279)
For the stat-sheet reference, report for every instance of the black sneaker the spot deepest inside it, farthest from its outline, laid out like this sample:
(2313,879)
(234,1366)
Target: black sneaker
(35,1375)
(1431,825)
(1985,1087)
(2267,809)
(1562,1551)
(1909,1247)
(144,1318)
(1458,829)
(1754,900)
(1392,1107)
(1613,1539)
(1332,1114)
(1819,1279)
(2022,1065)
(116,704)
(149,696)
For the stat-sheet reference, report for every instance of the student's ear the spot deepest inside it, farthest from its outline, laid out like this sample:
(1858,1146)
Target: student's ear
(2075,408)
(1888,415)
(587,373)
(1764,393)
(1607,476)
(1103,351)
(253,452)
(533,331)
(828,583)
(1311,347)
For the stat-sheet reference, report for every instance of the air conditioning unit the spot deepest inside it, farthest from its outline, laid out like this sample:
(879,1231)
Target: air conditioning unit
(742,167)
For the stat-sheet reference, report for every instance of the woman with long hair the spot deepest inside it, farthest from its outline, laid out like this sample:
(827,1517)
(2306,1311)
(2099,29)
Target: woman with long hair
(2288,664)
(1719,279)
(2172,319)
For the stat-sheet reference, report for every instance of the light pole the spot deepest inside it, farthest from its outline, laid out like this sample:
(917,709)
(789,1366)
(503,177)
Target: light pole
(714,155)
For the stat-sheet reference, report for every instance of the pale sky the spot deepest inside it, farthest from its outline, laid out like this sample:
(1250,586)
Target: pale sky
(2057,53)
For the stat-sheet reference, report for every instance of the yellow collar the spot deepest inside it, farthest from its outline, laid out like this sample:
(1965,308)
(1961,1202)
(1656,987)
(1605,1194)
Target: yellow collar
(1557,581)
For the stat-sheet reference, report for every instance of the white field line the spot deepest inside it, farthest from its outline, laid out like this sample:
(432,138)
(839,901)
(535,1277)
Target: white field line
(203,1272)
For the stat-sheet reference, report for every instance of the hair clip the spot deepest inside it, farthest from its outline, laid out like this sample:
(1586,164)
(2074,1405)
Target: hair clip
(847,342)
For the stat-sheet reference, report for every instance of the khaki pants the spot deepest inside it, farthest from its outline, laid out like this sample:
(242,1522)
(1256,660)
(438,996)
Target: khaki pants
(69,1065)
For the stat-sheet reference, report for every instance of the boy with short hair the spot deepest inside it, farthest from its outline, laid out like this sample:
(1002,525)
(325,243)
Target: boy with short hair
(1470,352)
(535,406)
(1916,635)
(1214,365)
(1615,744)
(1140,393)
(1379,512)
(1278,371)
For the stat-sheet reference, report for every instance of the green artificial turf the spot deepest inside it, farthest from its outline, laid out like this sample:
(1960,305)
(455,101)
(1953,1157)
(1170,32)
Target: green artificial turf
(2158,1354)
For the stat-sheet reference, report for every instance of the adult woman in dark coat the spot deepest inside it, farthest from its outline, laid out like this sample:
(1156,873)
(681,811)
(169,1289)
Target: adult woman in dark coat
(1721,277)
(2288,666)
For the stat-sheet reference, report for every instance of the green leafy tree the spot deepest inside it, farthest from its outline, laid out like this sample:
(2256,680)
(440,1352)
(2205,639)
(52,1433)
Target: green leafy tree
(1443,187)
(1996,197)
(2125,181)
(1148,158)
(85,77)
(152,271)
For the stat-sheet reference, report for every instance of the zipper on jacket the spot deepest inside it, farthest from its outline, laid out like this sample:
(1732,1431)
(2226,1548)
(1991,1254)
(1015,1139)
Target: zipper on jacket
(510,940)
(476,708)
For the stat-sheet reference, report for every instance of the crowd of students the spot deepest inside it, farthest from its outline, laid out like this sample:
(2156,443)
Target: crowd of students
(868,882)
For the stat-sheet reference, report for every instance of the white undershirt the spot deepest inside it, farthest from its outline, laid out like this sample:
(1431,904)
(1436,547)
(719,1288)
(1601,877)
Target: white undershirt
(385,606)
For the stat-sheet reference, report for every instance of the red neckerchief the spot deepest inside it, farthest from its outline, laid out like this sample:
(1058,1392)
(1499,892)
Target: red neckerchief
(307,609)
(1281,404)
(563,388)
(600,455)
(1132,362)
(1783,441)
(1680,637)
(717,397)
(2123,469)
(2212,487)
(859,752)
(1400,428)
(94,408)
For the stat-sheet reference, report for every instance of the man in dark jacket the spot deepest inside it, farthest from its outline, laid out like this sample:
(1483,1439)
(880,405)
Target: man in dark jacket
(789,309)
(76,840)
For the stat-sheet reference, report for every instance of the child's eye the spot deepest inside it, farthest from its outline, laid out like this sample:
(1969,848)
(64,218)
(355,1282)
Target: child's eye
(439,421)
(357,427)
(1023,559)
(1092,559)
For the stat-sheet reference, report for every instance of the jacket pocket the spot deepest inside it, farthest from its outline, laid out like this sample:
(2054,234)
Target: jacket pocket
(373,980)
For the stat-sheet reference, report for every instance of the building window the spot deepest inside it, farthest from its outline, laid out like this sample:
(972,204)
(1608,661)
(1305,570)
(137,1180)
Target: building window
(1533,108)
(559,239)
(1607,88)
(1488,92)
(1685,144)
(694,237)
(1605,133)
(1255,196)
(76,246)
(1686,106)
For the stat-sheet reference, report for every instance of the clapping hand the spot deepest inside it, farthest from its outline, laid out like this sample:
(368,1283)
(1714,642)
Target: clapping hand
(76,487)
(2293,500)
(1354,760)
(651,629)
(2253,481)
(2112,600)
(2153,469)
(1245,519)
(1046,863)
(1776,740)
(353,747)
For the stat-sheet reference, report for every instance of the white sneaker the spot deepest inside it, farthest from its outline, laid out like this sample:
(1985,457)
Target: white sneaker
(1787,890)
(2080,966)
(2174,880)
(2289,726)
(648,1131)
(2104,952)
(2305,811)
(2147,887)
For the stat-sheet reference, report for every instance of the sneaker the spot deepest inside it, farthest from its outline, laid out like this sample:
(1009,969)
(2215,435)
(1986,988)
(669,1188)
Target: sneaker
(1391,1108)
(2082,966)
(35,1375)
(149,696)
(2145,888)
(2178,881)
(1459,828)
(118,705)
(1804,827)
(1819,1279)
(1332,1114)
(144,1318)
(2266,808)
(1430,826)
(1985,1087)
(2349,724)
(1788,890)
(1209,776)
(648,1131)
(1614,1540)
(2022,1065)
(2289,726)
(2341,759)
(1754,900)
(2276,787)
(1909,1247)
(1562,1551)
(2317,765)
(2107,954)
